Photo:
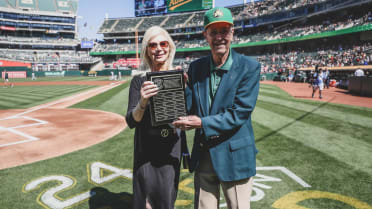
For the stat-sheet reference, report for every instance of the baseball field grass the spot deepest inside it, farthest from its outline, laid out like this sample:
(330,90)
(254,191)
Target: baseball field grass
(21,97)
(67,78)
(312,155)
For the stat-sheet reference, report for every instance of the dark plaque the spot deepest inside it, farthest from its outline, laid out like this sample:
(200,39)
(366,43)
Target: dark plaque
(169,103)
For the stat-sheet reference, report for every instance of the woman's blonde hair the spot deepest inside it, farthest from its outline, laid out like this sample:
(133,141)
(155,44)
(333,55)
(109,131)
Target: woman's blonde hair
(149,34)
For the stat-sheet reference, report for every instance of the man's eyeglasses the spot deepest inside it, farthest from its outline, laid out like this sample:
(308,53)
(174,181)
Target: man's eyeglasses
(222,32)
(163,45)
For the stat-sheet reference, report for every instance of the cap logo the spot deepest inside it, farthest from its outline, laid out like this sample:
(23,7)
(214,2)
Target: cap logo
(218,13)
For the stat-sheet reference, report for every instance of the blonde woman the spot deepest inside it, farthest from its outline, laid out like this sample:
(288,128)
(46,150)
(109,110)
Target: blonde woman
(157,150)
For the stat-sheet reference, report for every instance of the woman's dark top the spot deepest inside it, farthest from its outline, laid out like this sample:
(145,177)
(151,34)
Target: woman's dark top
(156,167)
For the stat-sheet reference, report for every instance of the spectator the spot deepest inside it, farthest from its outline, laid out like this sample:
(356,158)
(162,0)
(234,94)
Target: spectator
(359,73)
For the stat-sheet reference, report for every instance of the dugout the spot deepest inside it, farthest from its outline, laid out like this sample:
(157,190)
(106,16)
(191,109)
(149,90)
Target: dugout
(360,86)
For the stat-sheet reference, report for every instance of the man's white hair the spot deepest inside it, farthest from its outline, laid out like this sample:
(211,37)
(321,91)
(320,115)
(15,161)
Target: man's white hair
(149,34)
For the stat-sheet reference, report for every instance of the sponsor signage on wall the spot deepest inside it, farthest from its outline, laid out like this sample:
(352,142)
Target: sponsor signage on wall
(15,74)
(87,44)
(7,28)
(188,5)
(55,74)
(157,7)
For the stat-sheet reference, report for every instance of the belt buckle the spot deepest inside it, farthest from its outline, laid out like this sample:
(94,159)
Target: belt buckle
(164,132)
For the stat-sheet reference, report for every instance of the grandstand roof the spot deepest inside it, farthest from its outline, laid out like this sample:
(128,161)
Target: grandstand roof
(41,7)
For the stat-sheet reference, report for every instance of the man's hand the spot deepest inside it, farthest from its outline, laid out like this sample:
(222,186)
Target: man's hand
(185,78)
(188,122)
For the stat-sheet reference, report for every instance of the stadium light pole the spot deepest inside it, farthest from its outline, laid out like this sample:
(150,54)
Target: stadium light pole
(136,39)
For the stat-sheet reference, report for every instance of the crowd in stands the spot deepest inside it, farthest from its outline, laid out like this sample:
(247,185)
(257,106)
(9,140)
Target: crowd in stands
(47,56)
(115,47)
(327,56)
(37,40)
(241,36)
(287,31)
(355,55)
(150,21)
(195,19)
(240,39)
(270,6)
(107,24)
(296,59)
(179,21)
(126,25)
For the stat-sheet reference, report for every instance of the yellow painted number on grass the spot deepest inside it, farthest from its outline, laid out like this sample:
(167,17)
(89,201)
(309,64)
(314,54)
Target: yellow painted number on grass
(183,187)
(290,200)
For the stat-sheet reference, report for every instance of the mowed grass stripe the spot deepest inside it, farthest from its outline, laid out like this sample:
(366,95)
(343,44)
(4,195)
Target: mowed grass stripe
(352,130)
(70,78)
(64,91)
(268,86)
(114,106)
(7,104)
(106,102)
(19,96)
(273,92)
(17,102)
(346,116)
(43,90)
(353,152)
(22,95)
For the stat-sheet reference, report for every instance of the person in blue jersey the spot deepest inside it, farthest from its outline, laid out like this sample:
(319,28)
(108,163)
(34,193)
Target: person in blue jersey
(221,93)
(318,82)
(7,83)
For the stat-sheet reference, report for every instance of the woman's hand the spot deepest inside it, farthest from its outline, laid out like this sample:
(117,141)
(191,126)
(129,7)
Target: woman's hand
(148,90)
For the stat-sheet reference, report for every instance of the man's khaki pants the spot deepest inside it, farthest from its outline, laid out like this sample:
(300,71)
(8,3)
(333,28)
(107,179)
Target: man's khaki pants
(207,188)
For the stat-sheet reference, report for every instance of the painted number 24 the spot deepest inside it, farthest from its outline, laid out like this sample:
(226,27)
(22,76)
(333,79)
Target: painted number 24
(49,198)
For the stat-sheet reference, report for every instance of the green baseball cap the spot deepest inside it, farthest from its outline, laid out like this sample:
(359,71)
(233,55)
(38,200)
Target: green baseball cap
(217,14)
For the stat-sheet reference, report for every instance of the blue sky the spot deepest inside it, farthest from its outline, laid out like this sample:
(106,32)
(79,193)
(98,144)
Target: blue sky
(93,12)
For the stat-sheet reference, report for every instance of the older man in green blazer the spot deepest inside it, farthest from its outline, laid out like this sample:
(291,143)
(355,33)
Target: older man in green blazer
(221,91)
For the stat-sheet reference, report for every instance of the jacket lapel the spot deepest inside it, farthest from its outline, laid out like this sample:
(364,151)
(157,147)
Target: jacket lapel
(203,86)
(225,85)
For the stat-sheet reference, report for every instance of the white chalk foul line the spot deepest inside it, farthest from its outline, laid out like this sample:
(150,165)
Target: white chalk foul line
(28,137)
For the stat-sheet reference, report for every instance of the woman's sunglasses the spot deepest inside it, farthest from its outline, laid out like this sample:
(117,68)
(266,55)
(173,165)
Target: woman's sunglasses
(163,44)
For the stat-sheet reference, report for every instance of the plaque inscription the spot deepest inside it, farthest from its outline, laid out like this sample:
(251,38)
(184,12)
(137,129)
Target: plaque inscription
(169,103)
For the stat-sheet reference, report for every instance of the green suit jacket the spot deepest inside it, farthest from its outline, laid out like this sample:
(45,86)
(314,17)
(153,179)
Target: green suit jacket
(227,129)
